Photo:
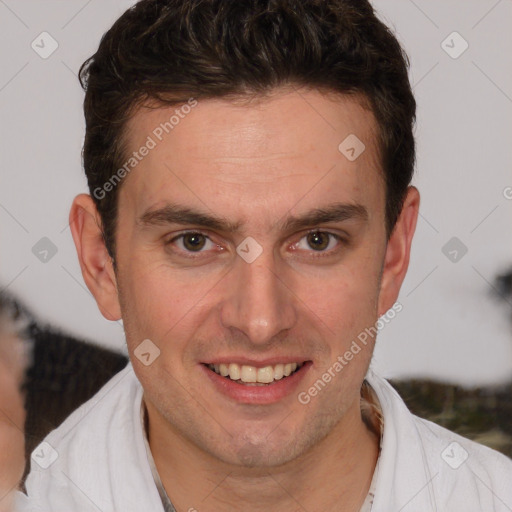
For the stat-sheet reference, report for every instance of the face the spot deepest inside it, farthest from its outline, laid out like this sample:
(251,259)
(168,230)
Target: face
(247,244)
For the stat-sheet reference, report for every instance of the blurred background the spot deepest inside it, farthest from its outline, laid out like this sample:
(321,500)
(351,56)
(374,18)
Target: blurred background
(453,325)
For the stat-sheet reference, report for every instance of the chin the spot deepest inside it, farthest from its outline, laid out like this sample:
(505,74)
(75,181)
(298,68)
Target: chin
(251,451)
(258,456)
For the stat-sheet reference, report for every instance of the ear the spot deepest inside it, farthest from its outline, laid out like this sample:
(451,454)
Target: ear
(398,251)
(95,262)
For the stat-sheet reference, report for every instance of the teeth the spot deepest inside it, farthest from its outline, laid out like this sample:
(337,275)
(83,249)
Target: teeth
(253,375)
(278,371)
(265,375)
(223,370)
(234,371)
(248,374)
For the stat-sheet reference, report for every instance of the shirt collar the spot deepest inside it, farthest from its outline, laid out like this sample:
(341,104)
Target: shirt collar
(166,502)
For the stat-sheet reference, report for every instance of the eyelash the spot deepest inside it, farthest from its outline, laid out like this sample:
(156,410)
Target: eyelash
(315,254)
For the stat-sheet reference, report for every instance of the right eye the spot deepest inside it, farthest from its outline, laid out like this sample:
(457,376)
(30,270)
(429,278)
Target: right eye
(192,242)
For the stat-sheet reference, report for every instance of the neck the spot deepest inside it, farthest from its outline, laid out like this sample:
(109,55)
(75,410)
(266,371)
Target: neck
(333,475)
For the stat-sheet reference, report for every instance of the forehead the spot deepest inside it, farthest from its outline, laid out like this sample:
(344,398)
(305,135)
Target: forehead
(254,156)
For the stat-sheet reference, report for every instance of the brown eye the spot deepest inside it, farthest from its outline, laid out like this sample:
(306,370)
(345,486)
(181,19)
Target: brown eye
(320,244)
(193,242)
(318,240)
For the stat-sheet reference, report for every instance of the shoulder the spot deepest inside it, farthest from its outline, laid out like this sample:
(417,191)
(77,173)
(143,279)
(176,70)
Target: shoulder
(114,403)
(464,471)
(456,451)
(425,466)
(96,446)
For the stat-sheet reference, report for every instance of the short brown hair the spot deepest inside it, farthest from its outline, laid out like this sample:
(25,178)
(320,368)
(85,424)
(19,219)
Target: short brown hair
(172,50)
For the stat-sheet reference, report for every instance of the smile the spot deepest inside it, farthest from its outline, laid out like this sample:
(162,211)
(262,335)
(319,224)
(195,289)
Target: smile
(252,375)
(250,384)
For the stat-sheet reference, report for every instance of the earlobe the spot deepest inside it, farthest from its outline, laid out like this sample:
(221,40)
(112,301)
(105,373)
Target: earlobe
(398,251)
(95,262)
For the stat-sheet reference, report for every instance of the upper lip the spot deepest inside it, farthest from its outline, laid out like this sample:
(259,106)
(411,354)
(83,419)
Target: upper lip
(244,361)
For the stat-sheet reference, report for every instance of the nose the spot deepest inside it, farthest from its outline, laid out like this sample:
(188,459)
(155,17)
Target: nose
(259,301)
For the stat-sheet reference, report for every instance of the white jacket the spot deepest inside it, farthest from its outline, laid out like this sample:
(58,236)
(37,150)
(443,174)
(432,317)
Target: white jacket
(96,460)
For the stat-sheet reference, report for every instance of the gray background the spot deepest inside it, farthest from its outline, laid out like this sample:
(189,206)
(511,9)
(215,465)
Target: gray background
(451,326)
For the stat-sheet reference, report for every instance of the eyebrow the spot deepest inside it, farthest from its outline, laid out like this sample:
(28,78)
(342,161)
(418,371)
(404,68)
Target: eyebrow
(175,214)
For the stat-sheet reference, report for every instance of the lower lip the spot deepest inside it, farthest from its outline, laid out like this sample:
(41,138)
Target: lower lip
(267,394)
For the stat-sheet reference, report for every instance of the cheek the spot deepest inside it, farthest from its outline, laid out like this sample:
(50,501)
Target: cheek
(160,304)
(346,300)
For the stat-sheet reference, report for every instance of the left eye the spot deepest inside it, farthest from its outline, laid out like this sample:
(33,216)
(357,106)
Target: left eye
(319,241)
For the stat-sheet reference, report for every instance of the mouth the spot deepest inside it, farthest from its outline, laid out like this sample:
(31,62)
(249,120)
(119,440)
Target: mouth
(249,384)
(254,376)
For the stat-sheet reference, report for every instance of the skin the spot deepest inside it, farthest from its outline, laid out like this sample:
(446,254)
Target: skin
(255,163)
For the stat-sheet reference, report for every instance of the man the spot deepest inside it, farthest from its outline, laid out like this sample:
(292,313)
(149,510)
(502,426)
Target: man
(250,220)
